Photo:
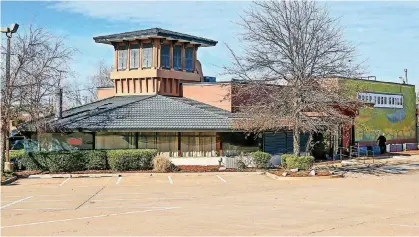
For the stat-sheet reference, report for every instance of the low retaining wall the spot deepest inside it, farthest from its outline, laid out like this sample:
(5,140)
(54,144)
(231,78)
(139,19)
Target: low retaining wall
(196,161)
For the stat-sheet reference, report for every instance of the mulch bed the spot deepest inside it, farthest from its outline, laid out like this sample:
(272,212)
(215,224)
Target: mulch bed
(183,169)
(302,173)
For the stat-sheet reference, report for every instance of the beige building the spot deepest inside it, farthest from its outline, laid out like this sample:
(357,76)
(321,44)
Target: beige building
(153,61)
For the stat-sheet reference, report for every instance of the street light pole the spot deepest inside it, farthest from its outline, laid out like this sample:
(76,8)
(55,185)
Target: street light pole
(5,126)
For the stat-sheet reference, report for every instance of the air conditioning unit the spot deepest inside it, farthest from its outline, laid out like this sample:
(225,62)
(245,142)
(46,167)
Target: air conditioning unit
(230,162)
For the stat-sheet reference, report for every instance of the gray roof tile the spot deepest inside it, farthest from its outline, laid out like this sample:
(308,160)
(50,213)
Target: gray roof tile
(151,112)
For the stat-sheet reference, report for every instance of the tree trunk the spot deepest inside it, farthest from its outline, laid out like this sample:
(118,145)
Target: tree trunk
(3,149)
(309,146)
(4,143)
(296,140)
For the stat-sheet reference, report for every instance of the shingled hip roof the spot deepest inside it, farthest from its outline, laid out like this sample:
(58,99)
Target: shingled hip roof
(144,112)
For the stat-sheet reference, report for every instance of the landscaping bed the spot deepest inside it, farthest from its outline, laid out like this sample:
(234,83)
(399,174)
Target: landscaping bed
(8,177)
(182,169)
(300,173)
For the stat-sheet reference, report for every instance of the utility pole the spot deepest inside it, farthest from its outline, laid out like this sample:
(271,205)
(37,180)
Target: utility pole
(5,101)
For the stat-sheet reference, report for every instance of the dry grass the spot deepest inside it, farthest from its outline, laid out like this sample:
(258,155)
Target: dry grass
(162,164)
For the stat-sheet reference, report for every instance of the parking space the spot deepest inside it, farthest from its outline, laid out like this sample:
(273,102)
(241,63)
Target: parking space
(210,204)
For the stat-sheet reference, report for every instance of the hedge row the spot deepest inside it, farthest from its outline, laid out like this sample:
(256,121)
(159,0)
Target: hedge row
(291,161)
(76,160)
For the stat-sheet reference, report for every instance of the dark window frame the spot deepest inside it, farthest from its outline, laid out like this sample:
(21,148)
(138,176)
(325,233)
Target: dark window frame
(177,57)
(189,59)
(165,58)
(122,49)
(148,46)
(135,47)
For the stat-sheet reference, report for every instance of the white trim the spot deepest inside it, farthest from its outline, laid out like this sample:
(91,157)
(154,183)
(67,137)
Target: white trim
(195,160)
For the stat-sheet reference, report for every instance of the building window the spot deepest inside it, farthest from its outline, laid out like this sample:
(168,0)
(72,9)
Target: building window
(122,57)
(177,57)
(382,100)
(198,144)
(235,143)
(134,56)
(385,100)
(147,55)
(166,143)
(165,56)
(189,59)
(401,100)
(109,140)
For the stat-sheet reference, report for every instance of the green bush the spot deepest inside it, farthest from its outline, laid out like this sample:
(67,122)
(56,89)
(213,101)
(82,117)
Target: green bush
(95,159)
(131,159)
(297,162)
(284,158)
(54,161)
(17,154)
(34,161)
(261,159)
(65,161)
(18,157)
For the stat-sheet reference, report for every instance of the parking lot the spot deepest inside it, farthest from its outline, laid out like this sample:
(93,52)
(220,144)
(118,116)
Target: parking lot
(211,204)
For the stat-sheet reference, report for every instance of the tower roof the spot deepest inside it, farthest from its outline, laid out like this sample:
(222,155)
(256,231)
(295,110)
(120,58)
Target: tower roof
(154,33)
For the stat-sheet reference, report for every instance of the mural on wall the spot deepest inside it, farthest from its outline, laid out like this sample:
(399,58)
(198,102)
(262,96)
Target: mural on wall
(391,109)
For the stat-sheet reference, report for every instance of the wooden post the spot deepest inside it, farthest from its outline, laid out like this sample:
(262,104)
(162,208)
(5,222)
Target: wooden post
(183,57)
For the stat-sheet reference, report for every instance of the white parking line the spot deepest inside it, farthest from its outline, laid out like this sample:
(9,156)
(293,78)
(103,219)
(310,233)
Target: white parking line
(37,209)
(118,180)
(120,207)
(51,201)
(412,226)
(170,179)
(222,179)
(17,201)
(65,181)
(87,217)
(136,199)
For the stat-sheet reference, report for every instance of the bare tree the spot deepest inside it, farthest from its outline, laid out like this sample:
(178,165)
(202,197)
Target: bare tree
(287,76)
(77,94)
(39,65)
(101,78)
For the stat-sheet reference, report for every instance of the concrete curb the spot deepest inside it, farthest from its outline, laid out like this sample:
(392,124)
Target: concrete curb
(276,177)
(50,176)
(9,180)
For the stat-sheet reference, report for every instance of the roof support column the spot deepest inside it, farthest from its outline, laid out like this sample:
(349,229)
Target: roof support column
(179,144)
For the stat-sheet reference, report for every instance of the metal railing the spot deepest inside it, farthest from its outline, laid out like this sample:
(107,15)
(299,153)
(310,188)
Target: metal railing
(354,152)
